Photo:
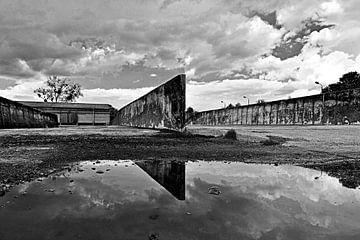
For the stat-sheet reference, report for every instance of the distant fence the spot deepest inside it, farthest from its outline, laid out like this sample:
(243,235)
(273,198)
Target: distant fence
(16,115)
(329,108)
(163,107)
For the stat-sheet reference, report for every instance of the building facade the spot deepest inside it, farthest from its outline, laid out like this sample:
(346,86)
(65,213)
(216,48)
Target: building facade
(75,113)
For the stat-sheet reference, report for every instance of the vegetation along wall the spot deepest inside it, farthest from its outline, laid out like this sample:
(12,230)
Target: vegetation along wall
(341,107)
(16,115)
(163,107)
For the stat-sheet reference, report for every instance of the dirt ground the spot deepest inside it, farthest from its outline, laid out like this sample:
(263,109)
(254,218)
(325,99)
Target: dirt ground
(26,154)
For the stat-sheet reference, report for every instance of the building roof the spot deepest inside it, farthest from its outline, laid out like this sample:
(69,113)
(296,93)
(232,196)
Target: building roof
(66,105)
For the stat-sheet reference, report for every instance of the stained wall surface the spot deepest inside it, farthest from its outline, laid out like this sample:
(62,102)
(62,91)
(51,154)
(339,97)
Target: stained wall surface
(163,107)
(330,108)
(16,115)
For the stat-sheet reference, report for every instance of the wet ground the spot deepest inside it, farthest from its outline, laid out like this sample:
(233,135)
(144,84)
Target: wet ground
(68,183)
(180,200)
(26,154)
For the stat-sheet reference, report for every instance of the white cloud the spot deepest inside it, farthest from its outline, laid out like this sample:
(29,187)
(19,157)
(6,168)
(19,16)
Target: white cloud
(204,96)
(109,46)
(331,7)
(115,97)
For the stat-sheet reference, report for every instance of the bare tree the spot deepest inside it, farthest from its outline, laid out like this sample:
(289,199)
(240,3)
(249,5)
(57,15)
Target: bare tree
(59,90)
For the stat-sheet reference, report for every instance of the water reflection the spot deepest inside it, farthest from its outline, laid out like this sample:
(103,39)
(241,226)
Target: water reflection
(170,174)
(256,202)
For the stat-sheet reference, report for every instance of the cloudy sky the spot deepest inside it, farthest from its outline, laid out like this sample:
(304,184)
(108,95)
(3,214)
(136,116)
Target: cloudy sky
(118,50)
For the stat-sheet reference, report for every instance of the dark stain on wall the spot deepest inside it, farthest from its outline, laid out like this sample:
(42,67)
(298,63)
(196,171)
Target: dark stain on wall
(330,108)
(163,107)
(16,115)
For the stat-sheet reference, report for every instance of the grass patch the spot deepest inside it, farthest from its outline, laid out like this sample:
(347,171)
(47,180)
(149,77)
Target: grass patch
(231,134)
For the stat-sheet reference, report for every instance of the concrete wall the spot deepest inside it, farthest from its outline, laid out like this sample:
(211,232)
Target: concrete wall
(163,107)
(16,115)
(330,108)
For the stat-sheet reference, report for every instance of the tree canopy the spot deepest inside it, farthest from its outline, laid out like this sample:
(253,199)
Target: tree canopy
(349,80)
(59,90)
(260,101)
(190,114)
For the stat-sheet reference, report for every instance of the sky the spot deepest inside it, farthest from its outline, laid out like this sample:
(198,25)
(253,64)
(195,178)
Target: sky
(118,50)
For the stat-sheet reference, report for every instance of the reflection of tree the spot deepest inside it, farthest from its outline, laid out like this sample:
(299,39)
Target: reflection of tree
(170,174)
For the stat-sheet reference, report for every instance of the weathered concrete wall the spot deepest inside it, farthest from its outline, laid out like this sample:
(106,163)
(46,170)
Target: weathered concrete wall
(16,115)
(163,107)
(330,108)
(169,174)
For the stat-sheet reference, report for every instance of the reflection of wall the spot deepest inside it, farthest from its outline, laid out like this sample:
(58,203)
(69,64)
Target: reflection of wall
(305,110)
(163,107)
(170,174)
(16,115)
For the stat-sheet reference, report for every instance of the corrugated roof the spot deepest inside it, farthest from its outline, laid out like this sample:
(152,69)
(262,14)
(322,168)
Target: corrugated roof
(66,105)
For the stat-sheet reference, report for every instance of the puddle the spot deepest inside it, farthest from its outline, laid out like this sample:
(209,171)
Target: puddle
(171,200)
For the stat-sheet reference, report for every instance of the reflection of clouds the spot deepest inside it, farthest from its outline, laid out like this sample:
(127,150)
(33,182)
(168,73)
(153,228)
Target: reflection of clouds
(257,202)
(315,202)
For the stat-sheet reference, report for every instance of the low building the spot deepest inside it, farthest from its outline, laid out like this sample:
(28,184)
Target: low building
(75,113)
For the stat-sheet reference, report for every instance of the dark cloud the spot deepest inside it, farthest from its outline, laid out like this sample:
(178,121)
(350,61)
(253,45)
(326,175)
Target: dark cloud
(127,76)
(16,68)
(293,45)
(270,18)
(30,45)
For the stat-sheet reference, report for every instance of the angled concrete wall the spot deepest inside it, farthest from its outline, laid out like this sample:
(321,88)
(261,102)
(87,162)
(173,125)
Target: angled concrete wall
(330,108)
(163,107)
(169,174)
(16,115)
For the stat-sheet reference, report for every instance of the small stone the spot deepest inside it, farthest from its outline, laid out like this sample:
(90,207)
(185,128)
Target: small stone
(214,190)
(153,236)
(51,190)
(107,170)
(93,168)
(2,193)
(188,213)
(97,161)
(99,172)
(71,180)
(126,165)
(154,216)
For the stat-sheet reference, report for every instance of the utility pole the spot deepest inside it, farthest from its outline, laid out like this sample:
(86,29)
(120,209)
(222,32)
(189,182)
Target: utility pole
(323,101)
(247,108)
